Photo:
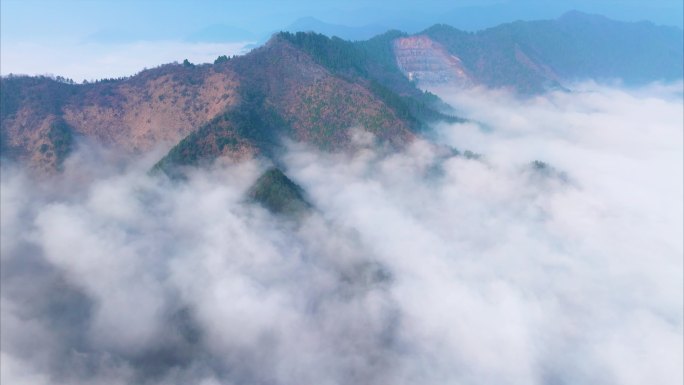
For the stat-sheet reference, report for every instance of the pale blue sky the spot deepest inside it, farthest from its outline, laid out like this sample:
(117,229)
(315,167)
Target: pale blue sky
(91,38)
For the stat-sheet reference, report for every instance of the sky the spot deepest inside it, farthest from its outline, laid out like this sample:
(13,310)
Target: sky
(90,39)
(417,266)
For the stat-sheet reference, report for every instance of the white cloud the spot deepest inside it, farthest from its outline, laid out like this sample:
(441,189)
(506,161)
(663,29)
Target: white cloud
(417,267)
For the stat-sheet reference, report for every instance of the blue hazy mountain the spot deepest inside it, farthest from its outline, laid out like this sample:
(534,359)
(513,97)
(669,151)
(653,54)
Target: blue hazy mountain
(308,24)
(532,56)
(220,33)
(475,18)
(111,36)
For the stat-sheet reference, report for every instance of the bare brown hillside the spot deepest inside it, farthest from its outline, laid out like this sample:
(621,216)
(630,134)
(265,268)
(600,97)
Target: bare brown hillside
(158,107)
(306,87)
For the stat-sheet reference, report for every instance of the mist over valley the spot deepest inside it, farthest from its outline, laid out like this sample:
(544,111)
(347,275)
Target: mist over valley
(438,207)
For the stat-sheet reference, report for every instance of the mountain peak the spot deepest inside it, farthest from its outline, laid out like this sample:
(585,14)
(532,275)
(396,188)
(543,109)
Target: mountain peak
(279,194)
(575,15)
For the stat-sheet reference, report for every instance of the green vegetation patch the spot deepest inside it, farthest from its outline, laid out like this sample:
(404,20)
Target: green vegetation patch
(280,195)
(62,138)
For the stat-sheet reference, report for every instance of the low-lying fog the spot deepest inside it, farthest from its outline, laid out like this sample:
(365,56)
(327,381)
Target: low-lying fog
(417,267)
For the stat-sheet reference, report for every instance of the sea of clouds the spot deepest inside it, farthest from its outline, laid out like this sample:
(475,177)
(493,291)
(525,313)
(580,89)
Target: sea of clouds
(422,266)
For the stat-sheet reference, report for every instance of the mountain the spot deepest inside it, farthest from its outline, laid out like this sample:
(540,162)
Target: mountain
(279,194)
(478,17)
(303,86)
(311,24)
(311,88)
(42,117)
(531,57)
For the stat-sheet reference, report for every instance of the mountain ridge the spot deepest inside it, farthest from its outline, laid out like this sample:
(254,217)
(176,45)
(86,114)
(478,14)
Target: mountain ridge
(534,56)
(312,88)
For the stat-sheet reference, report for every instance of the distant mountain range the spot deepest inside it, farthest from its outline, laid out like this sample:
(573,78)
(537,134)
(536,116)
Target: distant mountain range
(311,88)
(218,33)
(311,24)
(533,56)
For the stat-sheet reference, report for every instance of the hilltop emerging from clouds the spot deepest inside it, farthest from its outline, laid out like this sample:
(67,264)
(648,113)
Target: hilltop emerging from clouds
(311,88)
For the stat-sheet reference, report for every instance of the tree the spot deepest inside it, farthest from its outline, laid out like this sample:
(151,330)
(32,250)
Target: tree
(221,59)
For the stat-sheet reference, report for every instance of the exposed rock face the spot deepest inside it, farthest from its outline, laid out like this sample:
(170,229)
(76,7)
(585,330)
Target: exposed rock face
(428,63)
